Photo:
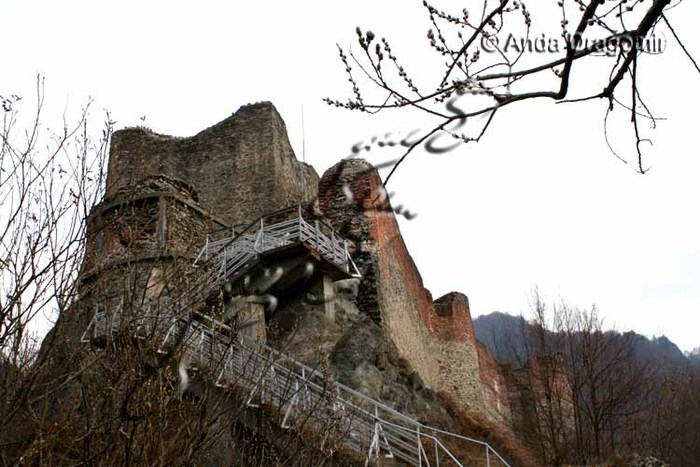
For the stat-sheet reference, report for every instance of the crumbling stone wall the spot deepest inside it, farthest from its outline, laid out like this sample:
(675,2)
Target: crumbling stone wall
(388,292)
(436,339)
(241,168)
(156,218)
(165,195)
(450,326)
(494,387)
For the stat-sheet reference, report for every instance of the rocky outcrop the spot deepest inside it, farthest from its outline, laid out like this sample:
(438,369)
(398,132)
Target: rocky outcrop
(353,350)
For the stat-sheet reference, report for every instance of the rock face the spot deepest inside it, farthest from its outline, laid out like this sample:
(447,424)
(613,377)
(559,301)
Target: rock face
(353,349)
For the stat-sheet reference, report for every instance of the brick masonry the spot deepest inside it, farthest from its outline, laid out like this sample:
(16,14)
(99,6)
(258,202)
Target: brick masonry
(494,387)
(436,338)
(241,168)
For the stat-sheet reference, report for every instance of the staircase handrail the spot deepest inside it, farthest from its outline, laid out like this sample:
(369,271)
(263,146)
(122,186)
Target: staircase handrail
(283,361)
(273,235)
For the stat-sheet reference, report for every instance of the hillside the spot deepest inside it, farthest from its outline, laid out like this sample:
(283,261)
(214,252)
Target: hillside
(501,334)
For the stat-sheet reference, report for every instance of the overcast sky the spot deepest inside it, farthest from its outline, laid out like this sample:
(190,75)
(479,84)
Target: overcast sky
(540,200)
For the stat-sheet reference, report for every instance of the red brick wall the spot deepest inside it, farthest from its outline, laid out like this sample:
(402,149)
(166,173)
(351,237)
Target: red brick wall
(436,339)
(449,318)
(494,386)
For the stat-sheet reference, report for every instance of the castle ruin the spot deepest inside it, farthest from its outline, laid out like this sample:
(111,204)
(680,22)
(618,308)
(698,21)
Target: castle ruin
(335,286)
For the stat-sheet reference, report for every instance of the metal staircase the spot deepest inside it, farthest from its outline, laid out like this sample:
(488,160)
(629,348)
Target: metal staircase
(303,398)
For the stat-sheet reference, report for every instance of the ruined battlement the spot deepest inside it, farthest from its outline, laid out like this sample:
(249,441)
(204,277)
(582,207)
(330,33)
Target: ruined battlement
(334,292)
(241,168)
(450,318)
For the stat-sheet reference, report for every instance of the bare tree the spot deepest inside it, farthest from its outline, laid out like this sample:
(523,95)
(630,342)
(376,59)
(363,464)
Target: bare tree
(486,52)
(49,181)
(610,386)
(544,409)
(547,376)
(587,394)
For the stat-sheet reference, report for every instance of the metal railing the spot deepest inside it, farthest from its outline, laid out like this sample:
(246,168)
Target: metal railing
(237,252)
(302,396)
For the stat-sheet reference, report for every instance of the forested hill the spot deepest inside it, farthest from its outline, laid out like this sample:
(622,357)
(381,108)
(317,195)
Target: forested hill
(503,335)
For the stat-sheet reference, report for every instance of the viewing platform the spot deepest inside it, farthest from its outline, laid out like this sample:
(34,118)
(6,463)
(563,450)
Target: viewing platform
(282,233)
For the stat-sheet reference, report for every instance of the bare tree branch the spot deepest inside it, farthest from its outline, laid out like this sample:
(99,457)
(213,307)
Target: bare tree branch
(615,29)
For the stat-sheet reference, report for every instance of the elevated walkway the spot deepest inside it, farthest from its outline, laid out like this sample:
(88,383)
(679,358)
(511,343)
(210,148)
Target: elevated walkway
(276,234)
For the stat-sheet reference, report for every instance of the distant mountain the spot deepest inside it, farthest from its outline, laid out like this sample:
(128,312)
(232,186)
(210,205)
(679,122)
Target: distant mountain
(694,357)
(659,349)
(502,334)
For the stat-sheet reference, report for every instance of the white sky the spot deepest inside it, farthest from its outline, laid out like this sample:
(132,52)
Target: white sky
(541,200)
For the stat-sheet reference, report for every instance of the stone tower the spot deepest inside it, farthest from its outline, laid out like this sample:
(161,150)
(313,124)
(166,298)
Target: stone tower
(166,195)
(241,168)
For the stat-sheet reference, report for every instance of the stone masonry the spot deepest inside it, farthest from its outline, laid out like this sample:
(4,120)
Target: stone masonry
(241,168)
(436,338)
(382,334)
